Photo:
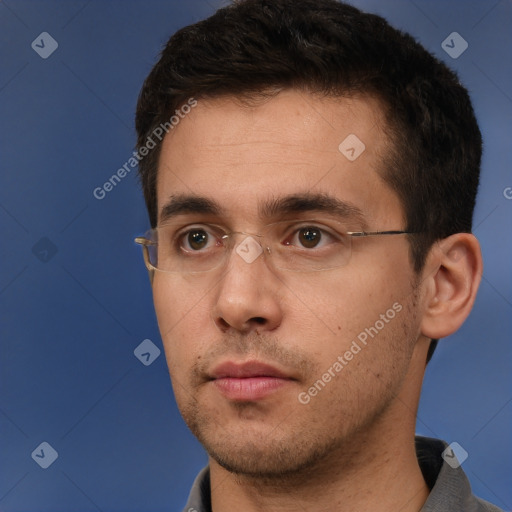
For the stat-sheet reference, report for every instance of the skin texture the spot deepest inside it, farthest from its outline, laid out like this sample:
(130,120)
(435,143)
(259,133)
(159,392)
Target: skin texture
(351,447)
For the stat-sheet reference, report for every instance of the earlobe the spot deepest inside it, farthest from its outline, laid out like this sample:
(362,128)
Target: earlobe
(454,269)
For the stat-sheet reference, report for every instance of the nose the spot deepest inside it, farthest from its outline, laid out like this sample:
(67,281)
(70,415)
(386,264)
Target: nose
(248,295)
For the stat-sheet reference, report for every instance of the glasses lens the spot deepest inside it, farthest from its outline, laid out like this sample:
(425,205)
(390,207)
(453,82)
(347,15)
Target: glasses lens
(197,249)
(309,247)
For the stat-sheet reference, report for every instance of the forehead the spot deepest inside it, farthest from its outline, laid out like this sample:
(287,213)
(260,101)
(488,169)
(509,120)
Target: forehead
(294,143)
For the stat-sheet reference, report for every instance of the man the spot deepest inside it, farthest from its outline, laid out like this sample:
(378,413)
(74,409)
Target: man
(310,181)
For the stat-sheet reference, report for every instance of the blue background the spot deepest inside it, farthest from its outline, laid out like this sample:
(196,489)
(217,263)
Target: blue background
(75,297)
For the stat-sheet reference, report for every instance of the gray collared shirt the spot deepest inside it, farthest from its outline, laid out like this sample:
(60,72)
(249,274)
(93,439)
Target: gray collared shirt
(449,488)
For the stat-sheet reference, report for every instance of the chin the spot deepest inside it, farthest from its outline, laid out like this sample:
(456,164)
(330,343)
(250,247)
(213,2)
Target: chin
(256,462)
(272,453)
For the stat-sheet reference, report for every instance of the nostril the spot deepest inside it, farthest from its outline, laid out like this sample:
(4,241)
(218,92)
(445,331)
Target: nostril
(259,320)
(223,324)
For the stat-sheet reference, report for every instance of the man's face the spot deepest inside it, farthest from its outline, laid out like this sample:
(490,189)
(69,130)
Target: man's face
(251,349)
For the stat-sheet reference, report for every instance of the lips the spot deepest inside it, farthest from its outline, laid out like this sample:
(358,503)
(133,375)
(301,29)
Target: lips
(246,370)
(249,381)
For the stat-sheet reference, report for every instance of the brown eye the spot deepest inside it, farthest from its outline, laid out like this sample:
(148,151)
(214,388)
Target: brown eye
(310,237)
(197,239)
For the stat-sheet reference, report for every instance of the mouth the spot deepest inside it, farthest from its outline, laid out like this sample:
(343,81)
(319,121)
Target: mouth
(249,381)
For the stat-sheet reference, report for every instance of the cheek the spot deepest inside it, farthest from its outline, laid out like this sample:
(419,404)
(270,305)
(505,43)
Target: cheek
(367,358)
(367,322)
(345,302)
(182,320)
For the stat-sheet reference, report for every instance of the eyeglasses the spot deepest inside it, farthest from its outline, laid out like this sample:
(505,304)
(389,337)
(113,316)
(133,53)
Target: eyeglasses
(300,246)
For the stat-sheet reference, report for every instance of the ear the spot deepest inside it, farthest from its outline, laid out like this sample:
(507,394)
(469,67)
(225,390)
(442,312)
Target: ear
(454,269)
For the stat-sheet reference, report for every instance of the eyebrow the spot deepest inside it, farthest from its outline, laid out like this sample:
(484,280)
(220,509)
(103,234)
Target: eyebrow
(183,204)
